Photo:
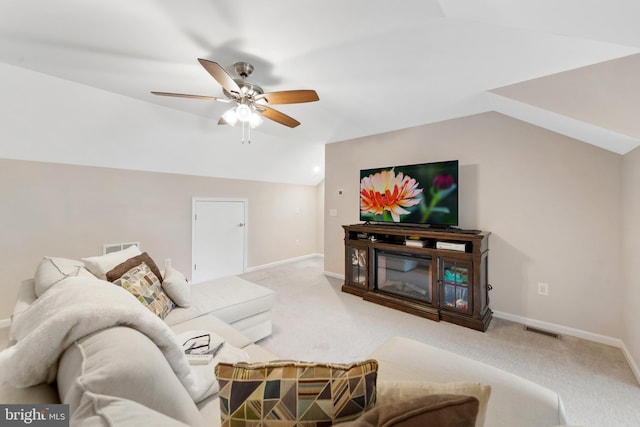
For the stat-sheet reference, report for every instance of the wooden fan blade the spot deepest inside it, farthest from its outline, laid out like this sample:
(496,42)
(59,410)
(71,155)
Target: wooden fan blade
(289,96)
(221,76)
(277,116)
(184,95)
(222,121)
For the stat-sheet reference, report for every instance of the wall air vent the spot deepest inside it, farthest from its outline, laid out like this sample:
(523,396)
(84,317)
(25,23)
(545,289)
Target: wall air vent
(115,247)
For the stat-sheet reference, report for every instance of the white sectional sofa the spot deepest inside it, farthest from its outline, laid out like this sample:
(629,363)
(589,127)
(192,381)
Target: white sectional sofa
(120,376)
(112,368)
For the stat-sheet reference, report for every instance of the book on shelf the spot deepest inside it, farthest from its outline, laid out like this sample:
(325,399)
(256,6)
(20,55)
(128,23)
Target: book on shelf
(416,243)
(460,247)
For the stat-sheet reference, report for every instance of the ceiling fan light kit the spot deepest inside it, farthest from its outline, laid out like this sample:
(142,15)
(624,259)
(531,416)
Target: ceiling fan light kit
(255,120)
(243,112)
(229,117)
(250,99)
(246,117)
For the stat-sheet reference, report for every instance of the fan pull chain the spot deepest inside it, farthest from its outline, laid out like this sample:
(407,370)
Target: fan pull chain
(248,138)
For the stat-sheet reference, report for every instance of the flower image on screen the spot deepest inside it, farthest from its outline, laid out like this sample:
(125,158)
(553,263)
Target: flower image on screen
(422,194)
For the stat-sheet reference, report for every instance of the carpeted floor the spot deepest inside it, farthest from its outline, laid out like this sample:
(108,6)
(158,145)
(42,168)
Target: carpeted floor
(314,320)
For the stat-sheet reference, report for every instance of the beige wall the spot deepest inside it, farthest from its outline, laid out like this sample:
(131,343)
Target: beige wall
(71,211)
(551,203)
(320,214)
(631,251)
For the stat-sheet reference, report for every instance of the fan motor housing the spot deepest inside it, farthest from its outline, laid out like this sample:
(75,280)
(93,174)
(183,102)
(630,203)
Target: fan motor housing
(248,89)
(243,69)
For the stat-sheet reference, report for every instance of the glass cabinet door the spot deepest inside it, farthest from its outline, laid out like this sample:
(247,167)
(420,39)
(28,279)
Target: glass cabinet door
(358,258)
(456,286)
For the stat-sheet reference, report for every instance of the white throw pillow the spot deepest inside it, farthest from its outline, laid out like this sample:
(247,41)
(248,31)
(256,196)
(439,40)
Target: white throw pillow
(176,286)
(100,265)
(389,392)
(51,270)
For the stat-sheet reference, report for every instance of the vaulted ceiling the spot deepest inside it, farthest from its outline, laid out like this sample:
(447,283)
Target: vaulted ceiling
(570,66)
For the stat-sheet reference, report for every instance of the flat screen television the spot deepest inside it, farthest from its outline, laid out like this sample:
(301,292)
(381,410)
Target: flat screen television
(425,193)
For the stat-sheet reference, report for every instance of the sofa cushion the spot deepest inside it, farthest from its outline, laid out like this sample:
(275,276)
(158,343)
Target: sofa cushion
(438,410)
(145,286)
(176,286)
(100,265)
(52,270)
(124,363)
(394,392)
(256,327)
(228,298)
(116,272)
(306,394)
(97,410)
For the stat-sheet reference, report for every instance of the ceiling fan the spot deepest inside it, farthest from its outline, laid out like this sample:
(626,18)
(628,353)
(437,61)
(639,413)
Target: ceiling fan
(250,100)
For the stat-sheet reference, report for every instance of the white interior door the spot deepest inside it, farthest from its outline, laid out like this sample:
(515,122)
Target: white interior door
(219,236)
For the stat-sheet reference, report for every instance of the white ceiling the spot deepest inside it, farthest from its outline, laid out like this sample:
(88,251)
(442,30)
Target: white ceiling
(377,65)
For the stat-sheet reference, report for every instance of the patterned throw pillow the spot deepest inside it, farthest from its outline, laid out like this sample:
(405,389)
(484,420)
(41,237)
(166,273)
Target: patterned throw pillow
(296,394)
(145,286)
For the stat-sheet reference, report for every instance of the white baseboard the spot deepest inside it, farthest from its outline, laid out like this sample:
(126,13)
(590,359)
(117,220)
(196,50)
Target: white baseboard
(578,333)
(551,327)
(5,323)
(284,261)
(559,329)
(334,275)
(632,363)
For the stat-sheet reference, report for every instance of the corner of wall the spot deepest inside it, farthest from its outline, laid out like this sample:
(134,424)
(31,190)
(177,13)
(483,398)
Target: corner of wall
(630,232)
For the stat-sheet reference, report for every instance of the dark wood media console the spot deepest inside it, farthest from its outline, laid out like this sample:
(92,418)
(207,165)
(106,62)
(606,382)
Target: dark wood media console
(436,274)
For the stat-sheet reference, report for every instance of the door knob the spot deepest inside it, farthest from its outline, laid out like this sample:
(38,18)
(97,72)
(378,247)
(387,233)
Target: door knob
(241,225)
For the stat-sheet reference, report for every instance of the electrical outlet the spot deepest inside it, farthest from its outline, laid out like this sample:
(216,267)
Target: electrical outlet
(543,288)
